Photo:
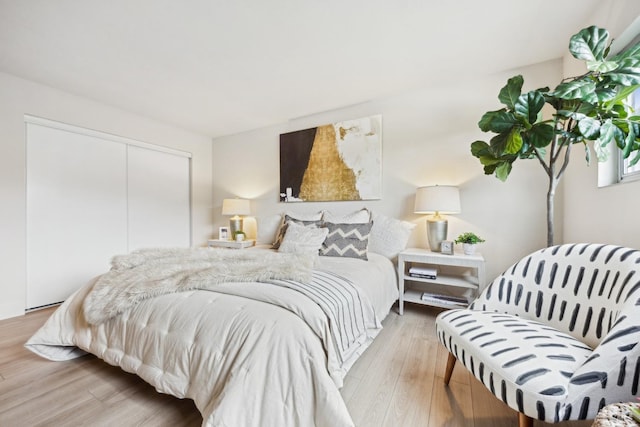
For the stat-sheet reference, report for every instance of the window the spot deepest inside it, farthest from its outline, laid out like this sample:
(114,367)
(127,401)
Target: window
(628,172)
(615,169)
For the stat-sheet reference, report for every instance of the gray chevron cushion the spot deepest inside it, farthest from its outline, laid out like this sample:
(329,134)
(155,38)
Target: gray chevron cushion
(346,240)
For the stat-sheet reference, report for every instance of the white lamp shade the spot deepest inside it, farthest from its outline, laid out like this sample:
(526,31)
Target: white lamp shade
(437,198)
(236,207)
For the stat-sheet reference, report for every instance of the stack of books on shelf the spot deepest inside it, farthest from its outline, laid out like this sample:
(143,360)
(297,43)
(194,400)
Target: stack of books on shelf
(445,299)
(423,272)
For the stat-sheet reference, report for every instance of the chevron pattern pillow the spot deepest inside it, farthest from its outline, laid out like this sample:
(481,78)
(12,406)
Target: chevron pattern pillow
(346,240)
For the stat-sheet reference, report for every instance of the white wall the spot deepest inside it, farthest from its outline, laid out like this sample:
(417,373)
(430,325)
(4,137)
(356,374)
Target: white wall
(21,97)
(607,214)
(426,140)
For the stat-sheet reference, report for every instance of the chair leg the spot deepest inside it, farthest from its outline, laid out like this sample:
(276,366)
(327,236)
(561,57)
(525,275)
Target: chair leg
(524,421)
(451,362)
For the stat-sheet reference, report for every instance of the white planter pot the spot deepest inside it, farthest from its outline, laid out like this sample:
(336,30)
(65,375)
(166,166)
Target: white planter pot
(469,248)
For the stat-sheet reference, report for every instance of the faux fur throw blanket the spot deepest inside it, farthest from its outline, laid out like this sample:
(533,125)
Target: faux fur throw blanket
(152,272)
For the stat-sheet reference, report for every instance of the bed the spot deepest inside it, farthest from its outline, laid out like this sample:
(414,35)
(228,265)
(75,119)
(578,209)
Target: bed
(249,353)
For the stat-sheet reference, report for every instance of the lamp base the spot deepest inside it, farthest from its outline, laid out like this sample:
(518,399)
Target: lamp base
(436,233)
(235,224)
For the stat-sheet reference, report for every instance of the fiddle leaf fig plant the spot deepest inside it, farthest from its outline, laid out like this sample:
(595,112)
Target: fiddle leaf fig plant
(592,107)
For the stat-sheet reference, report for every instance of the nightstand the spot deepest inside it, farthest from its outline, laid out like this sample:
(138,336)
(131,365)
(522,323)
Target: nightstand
(230,244)
(440,280)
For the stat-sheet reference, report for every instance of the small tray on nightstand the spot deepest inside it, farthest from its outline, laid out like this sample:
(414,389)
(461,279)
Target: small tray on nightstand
(231,244)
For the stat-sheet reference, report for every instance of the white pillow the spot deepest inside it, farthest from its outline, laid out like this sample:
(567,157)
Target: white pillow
(308,218)
(358,217)
(389,236)
(301,239)
(267,228)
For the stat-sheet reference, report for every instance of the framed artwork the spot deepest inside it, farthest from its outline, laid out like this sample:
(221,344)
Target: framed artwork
(223,233)
(332,162)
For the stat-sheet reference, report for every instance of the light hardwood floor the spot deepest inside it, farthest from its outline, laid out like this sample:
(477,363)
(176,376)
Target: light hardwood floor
(397,382)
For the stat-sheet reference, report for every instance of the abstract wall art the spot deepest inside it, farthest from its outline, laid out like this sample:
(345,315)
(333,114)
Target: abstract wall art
(333,162)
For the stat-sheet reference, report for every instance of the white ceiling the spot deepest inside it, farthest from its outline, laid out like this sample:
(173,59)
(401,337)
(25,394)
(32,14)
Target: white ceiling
(222,67)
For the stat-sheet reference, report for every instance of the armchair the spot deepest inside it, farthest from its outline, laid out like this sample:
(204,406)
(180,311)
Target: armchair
(556,336)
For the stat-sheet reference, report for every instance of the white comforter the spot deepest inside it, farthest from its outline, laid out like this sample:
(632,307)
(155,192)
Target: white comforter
(248,354)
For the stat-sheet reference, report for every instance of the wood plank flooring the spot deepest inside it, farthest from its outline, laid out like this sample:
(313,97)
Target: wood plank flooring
(396,382)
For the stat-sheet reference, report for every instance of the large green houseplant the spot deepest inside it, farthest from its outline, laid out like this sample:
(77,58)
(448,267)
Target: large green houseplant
(590,107)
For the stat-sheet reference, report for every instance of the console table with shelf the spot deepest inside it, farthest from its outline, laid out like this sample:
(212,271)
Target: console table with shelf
(458,275)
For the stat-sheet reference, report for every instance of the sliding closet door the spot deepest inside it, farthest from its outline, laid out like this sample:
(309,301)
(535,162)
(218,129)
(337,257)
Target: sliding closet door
(91,196)
(76,210)
(159,205)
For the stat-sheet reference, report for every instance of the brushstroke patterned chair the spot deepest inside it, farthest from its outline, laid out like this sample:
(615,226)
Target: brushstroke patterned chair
(555,337)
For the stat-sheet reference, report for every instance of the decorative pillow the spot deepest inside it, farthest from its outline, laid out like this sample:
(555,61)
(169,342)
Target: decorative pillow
(346,240)
(358,217)
(267,228)
(389,236)
(285,223)
(303,239)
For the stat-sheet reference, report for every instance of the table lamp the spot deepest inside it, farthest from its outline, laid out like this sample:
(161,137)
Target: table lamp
(236,208)
(437,199)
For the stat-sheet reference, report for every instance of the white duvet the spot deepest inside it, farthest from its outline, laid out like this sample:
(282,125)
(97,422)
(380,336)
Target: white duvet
(248,354)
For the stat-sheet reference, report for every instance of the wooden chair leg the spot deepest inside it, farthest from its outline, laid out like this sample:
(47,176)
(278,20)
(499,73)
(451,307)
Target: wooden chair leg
(524,421)
(451,362)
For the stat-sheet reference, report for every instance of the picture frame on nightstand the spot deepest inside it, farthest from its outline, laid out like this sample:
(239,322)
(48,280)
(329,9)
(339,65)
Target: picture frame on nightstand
(223,233)
(446,247)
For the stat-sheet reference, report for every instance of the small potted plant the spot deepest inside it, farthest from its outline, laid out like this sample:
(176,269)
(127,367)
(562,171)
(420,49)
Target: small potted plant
(469,241)
(239,236)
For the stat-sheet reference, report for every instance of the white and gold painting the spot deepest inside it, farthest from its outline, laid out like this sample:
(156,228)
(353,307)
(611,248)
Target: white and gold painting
(333,162)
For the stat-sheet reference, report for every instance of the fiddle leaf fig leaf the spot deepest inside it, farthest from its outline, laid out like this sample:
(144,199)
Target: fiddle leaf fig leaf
(514,141)
(627,74)
(503,170)
(540,135)
(489,169)
(601,66)
(619,136)
(509,94)
(629,142)
(632,52)
(589,128)
(601,150)
(618,111)
(590,44)
(609,132)
(577,89)
(587,154)
(606,132)
(499,144)
(635,159)
(529,105)
(605,94)
(619,95)
(498,121)
(485,122)
(479,148)
(489,160)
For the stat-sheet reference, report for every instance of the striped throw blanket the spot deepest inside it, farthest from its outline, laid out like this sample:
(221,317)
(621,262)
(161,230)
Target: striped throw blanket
(342,303)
